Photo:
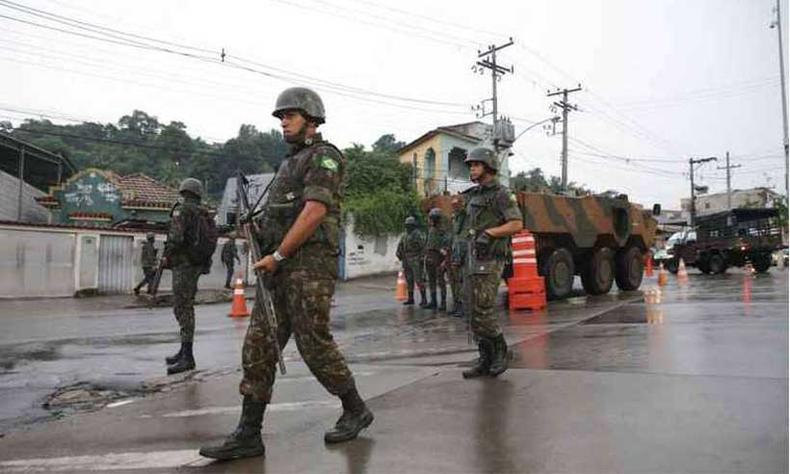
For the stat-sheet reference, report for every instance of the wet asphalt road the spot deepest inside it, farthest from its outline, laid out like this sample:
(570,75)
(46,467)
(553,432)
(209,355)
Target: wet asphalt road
(697,383)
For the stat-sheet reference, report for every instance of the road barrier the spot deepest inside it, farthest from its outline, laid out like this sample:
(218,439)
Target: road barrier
(526,289)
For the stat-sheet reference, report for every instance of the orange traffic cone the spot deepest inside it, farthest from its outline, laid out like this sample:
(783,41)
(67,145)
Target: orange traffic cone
(662,275)
(683,275)
(401,288)
(239,307)
(649,265)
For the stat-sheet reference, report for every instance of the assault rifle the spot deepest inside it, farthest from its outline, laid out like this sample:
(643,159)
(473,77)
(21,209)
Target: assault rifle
(249,228)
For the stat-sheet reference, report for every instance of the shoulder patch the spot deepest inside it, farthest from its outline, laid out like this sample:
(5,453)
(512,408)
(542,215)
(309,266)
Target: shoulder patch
(327,162)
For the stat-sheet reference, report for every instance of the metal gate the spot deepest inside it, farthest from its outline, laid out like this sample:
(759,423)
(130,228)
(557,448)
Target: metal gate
(116,264)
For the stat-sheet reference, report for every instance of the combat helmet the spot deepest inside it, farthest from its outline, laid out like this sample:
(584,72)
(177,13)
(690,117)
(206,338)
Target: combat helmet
(410,221)
(302,99)
(483,155)
(192,185)
(435,214)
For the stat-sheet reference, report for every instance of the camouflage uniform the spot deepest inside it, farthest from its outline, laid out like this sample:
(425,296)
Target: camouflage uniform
(437,249)
(303,285)
(457,253)
(229,254)
(148,261)
(410,253)
(487,205)
(183,224)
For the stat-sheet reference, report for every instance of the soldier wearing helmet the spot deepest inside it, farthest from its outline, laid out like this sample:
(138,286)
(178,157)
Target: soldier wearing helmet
(492,216)
(184,220)
(437,251)
(410,252)
(148,262)
(300,223)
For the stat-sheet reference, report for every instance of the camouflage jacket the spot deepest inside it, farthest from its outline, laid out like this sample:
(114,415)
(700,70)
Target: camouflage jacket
(457,246)
(229,252)
(411,245)
(437,244)
(490,205)
(312,171)
(183,225)
(148,259)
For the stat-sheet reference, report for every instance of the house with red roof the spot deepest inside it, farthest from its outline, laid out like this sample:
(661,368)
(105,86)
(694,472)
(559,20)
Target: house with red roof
(99,198)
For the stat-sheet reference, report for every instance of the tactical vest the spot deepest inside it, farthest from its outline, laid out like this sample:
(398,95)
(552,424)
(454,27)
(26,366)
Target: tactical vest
(414,244)
(286,201)
(482,213)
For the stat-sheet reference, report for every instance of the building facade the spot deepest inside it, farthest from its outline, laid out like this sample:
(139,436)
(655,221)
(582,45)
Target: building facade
(741,198)
(438,157)
(101,198)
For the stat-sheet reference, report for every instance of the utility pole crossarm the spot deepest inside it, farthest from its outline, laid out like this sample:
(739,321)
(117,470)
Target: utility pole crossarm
(565,106)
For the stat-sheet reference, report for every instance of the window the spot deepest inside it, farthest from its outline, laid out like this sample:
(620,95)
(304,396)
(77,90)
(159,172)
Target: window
(430,163)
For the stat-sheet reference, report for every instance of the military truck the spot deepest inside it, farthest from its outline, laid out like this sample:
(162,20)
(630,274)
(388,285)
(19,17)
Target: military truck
(730,239)
(602,239)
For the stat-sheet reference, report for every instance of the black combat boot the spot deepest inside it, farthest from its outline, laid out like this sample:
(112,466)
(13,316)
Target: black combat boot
(499,357)
(409,301)
(457,310)
(185,362)
(423,301)
(245,441)
(174,358)
(443,304)
(483,363)
(354,419)
(432,305)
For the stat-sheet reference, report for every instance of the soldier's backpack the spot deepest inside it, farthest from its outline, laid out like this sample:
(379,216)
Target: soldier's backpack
(205,240)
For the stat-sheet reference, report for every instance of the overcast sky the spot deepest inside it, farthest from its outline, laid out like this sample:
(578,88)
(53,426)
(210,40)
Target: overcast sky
(662,80)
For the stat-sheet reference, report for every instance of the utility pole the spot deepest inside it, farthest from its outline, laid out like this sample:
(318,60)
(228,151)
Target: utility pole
(565,106)
(778,24)
(693,207)
(729,187)
(487,60)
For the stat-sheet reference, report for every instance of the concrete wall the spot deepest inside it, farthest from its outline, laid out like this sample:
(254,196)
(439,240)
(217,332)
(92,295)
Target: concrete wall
(52,262)
(368,256)
(9,201)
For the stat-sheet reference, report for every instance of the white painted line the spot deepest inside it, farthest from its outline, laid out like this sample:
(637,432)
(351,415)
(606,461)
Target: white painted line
(120,403)
(105,462)
(273,407)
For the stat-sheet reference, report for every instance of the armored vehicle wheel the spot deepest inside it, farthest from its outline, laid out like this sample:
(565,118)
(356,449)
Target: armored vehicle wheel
(672,266)
(717,264)
(703,264)
(629,269)
(558,272)
(598,273)
(762,262)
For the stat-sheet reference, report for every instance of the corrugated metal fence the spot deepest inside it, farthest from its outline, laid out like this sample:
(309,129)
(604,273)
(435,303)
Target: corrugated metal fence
(116,264)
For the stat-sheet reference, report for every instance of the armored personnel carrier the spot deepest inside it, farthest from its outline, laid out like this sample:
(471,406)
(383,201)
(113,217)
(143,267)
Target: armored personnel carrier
(602,239)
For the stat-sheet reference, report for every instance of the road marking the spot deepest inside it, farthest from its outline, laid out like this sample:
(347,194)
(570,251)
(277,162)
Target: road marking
(107,462)
(120,403)
(273,407)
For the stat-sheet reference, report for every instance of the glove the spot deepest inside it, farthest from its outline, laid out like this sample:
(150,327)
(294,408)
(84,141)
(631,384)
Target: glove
(482,244)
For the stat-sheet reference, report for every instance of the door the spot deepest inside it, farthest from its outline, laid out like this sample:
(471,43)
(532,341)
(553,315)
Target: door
(88,270)
(116,264)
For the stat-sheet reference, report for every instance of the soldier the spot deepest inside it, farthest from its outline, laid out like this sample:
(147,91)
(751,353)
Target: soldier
(437,249)
(410,250)
(148,260)
(492,216)
(178,253)
(300,222)
(229,254)
(455,270)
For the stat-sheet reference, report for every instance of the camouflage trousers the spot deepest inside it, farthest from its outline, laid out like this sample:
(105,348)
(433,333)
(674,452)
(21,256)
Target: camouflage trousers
(436,274)
(455,275)
(185,281)
(302,301)
(412,267)
(483,288)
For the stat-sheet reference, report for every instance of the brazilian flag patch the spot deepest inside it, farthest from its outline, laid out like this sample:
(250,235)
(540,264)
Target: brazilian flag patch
(328,163)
